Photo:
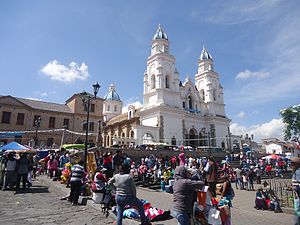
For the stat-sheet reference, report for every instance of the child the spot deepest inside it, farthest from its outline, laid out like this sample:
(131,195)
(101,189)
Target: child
(245,181)
(163,183)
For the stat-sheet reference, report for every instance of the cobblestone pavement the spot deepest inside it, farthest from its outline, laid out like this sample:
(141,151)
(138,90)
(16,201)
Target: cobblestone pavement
(243,212)
(42,205)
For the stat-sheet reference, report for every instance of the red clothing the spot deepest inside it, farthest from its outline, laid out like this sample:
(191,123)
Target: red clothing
(107,160)
(53,165)
(280,163)
(142,169)
(268,168)
(100,176)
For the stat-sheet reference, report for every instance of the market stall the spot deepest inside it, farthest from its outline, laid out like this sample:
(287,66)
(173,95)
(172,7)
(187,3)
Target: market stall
(16,147)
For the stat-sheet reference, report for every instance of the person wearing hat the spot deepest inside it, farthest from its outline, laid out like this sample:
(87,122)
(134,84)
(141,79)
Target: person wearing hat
(98,185)
(126,194)
(295,164)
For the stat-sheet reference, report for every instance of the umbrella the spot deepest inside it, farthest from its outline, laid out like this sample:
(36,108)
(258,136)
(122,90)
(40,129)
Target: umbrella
(15,146)
(272,156)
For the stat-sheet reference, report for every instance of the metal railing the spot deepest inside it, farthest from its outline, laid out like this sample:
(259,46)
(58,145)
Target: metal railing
(281,188)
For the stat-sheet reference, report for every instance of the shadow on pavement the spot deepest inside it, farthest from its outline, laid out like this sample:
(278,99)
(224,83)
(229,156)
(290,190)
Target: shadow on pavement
(33,190)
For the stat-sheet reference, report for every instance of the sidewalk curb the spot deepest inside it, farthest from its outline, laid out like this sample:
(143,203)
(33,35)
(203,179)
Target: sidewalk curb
(288,210)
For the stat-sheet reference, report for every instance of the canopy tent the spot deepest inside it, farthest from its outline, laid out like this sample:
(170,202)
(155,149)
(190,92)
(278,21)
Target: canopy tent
(15,146)
(272,156)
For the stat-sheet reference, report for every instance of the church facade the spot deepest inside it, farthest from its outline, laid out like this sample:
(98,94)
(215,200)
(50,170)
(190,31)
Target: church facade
(191,112)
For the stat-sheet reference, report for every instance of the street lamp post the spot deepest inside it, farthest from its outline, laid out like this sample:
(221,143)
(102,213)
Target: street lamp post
(37,124)
(86,99)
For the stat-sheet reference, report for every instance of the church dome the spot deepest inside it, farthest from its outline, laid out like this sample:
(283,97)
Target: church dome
(160,34)
(112,94)
(204,54)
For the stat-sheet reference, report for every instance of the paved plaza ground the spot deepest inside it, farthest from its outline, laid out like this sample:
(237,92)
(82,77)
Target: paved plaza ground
(243,212)
(42,205)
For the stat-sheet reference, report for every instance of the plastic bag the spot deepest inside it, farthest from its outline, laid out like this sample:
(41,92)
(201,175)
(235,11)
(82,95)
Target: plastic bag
(214,217)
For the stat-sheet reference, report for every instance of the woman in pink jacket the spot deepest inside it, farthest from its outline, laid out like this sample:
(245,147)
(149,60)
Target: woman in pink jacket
(52,166)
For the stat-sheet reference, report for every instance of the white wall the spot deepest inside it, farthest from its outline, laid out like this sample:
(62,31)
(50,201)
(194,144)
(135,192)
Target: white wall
(151,121)
(172,127)
(273,148)
(142,130)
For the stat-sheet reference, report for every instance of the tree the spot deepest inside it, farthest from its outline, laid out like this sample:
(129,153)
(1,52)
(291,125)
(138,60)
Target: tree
(291,119)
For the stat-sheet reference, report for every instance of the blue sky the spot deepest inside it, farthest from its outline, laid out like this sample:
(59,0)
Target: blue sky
(51,49)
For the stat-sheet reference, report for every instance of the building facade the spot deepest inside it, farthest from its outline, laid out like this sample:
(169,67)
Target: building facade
(191,112)
(26,120)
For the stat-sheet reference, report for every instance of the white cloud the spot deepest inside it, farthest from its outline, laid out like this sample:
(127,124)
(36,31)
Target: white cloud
(44,94)
(35,99)
(137,105)
(241,115)
(248,74)
(59,72)
(281,54)
(271,129)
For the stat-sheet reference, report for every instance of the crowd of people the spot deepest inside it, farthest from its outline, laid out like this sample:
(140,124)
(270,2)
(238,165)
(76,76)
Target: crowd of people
(182,175)
(16,170)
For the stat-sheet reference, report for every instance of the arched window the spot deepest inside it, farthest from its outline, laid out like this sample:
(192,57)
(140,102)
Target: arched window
(123,135)
(202,94)
(107,140)
(192,137)
(173,141)
(108,108)
(116,108)
(152,81)
(190,102)
(167,82)
(147,138)
(223,144)
(132,134)
(214,94)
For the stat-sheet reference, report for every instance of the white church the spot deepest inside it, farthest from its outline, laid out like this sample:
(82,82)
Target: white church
(174,112)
